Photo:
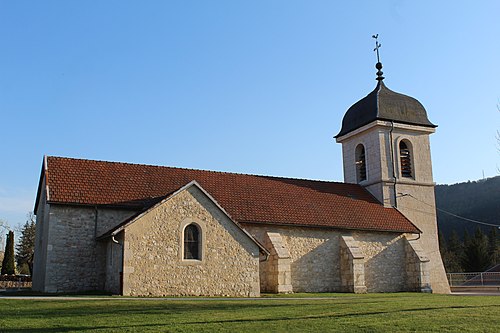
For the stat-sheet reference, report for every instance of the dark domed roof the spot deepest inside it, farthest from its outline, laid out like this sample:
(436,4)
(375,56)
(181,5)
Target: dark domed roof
(384,104)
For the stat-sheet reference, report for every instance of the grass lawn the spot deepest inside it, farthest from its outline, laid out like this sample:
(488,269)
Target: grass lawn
(402,312)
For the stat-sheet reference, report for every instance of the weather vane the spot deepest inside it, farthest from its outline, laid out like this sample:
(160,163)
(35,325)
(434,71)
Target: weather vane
(377,46)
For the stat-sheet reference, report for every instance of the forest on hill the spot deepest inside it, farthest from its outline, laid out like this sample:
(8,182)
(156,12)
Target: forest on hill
(466,245)
(477,200)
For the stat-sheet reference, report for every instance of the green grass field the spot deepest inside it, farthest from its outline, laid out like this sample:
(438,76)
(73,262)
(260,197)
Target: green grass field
(403,312)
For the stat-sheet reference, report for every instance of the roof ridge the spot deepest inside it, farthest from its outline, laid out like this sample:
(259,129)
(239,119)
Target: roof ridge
(202,170)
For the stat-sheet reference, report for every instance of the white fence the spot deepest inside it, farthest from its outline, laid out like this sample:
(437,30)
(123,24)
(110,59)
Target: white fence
(485,279)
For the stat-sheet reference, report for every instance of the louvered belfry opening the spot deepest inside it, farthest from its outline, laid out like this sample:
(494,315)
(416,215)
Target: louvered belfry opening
(191,242)
(405,155)
(360,163)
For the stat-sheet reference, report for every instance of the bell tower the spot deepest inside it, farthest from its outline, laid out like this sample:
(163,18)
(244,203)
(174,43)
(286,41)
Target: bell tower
(386,149)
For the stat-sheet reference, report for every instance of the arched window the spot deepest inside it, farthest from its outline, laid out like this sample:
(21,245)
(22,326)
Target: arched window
(405,156)
(360,163)
(192,242)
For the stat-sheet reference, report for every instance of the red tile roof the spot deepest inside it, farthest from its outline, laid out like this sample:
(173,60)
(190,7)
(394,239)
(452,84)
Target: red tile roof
(246,198)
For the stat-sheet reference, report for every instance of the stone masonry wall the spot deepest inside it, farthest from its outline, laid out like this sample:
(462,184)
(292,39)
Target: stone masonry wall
(74,261)
(385,257)
(71,251)
(417,267)
(41,237)
(275,272)
(153,262)
(413,196)
(315,258)
(352,266)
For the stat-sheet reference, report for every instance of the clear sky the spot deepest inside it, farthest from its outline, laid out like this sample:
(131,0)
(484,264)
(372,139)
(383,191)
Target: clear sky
(241,86)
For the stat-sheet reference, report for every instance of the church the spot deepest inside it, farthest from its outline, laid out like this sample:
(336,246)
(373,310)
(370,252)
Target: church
(144,230)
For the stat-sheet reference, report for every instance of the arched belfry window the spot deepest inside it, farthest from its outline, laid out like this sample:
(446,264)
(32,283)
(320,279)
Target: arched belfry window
(360,163)
(405,156)
(192,242)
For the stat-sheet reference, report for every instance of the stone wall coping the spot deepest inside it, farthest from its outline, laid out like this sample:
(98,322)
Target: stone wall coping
(353,247)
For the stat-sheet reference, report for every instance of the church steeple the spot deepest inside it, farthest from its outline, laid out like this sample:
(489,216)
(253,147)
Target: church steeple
(386,149)
(383,104)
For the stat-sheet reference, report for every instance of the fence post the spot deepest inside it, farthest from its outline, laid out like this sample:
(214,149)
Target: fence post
(482,283)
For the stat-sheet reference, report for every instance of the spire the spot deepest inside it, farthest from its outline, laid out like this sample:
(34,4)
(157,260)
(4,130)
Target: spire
(378,66)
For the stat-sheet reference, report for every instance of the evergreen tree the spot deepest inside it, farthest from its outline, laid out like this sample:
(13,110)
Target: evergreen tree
(494,246)
(442,242)
(476,257)
(8,263)
(26,247)
(466,238)
(455,245)
(453,254)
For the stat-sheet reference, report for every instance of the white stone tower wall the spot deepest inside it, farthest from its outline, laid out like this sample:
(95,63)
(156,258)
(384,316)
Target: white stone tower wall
(414,197)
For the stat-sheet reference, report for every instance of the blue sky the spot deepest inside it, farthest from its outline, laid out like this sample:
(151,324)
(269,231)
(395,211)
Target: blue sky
(241,86)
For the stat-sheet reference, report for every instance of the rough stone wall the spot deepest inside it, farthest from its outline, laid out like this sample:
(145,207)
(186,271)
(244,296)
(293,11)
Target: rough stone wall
(110,218)
(15,284)
(153,262)
(275,272)
(417,270)
(385,261)
(352,266)
(71,251)
(67,256)
(41,237)
(315,258)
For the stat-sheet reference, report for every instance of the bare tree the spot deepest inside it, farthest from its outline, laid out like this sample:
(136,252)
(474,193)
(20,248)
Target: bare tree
(4,227)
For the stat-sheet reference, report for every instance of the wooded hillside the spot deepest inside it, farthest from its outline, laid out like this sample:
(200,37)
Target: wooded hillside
(478,200)
(466,245)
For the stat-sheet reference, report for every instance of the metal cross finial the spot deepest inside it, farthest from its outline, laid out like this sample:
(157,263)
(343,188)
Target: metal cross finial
(377,46)
(378,66)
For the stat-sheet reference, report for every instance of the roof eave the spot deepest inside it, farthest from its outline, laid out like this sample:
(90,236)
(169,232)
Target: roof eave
(284,224)
(349,131)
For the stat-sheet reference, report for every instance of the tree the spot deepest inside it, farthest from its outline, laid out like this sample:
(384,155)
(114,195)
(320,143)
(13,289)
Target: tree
(26,246)
(494,246)
(3,227)
(8,263)
(453,253)
(476,255)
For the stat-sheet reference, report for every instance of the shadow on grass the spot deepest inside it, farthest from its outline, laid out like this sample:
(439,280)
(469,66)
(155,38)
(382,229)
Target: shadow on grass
(28,292)
(63,308)
(339,315)
(231,321)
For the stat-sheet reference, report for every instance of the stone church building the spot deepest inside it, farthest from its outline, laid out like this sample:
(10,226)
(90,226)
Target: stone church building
(135,229)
